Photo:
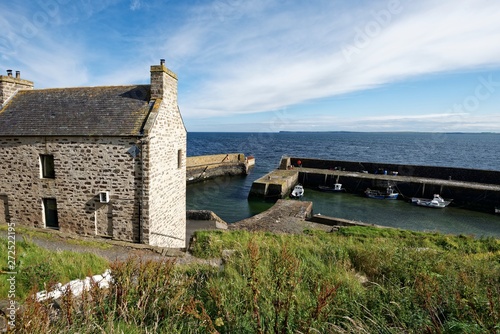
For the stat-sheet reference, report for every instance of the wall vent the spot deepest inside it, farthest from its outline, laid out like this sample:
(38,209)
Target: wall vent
(104,197)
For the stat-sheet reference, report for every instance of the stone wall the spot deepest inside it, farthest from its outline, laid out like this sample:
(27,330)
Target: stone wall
(204,167)
(84,167)
(445,173)
(274,185)
(9,85)
(147,193)
(206,215)
(204,160)
(165,165)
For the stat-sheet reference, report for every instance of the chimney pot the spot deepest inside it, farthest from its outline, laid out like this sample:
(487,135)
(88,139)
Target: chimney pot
(9,73)
(18,74)
(162,61)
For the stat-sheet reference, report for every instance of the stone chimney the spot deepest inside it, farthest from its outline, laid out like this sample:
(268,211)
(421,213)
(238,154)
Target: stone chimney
(9,85)
(163,83)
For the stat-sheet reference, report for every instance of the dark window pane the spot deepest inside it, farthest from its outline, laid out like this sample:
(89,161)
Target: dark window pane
(47,162)
(50,209)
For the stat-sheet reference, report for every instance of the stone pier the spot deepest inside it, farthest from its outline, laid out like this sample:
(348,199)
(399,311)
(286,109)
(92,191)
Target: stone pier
(205,167)
(274,185)
(469,188)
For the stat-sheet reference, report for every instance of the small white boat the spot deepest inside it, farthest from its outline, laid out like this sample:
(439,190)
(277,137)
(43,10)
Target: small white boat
(436,202)
(497,209)
(297,192)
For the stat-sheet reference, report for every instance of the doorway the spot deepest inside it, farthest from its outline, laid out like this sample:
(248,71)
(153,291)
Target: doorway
(4,210)
(103,220)
(50,213)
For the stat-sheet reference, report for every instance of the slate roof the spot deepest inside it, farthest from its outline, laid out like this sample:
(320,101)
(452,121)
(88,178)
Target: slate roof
(82,111)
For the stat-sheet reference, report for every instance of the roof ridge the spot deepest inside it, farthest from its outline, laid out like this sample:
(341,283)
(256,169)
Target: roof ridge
(81,87)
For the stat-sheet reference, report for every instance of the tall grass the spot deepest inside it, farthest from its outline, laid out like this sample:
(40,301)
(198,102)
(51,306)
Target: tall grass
(359,280)
(38,268)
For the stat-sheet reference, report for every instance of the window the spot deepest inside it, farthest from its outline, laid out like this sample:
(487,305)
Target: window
(179,158)
(50,213)
(47,166)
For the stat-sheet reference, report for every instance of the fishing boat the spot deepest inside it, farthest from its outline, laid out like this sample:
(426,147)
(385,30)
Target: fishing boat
(436,202)
(297,192)
(337,187)
(378,194)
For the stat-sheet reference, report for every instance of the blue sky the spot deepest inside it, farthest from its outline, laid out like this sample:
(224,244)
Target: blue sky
(273,65)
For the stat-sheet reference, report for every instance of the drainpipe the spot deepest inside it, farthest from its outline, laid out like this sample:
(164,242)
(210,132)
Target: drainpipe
(143,143)
(141,199)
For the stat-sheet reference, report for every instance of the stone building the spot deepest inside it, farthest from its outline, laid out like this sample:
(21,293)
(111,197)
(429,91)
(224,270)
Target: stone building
(107,161)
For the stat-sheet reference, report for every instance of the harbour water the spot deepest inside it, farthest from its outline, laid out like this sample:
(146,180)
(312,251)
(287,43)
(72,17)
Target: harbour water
(227,197)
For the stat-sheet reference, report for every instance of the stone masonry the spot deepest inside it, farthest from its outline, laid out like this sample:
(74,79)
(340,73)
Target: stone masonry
(9,85)
(165,164)
(127,183)
(83,168)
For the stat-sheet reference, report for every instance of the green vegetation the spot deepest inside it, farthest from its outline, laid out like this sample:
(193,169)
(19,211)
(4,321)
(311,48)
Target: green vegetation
(32,233)
(39,268)
(358,280)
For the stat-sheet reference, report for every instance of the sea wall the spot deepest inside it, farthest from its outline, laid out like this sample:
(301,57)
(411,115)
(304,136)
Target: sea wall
(469,188)
(274,185)
(445,173)
(206,215)
(200,168)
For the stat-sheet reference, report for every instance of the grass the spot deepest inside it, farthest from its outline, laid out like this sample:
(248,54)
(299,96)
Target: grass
(38,268)
(358,280)
(47,235)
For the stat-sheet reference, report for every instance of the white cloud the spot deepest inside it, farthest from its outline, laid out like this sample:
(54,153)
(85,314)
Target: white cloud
(271,59)
(445,122)
(135,4)
(242,57)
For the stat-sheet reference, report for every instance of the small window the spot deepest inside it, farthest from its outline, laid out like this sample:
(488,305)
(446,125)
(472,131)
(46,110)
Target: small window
(47,166)
(179,158)
(50,213)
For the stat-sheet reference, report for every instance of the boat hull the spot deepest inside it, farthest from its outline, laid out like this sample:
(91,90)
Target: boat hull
(377,194)
(382,196)
(330,189)
(297,192)
(436,202)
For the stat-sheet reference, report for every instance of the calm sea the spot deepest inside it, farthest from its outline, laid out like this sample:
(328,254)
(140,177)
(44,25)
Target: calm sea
(227,197)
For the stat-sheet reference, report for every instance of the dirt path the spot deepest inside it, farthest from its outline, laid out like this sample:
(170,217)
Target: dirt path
(111,250)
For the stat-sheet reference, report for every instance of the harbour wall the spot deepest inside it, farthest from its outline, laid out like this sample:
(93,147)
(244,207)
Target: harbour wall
(204,167)
(274,185)
(444,173)
(197,220)
(469,188)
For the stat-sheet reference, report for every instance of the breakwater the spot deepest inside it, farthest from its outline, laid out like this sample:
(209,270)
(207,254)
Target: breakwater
(469,188)
(204,167)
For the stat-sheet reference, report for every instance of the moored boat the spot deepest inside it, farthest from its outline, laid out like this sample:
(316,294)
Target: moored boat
(297,192)
(337,187)
(377,194)
(436,202)
(497,209)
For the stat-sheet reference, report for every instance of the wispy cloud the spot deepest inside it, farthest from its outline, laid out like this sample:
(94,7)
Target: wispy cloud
(236,58)
(28,42)
(283,121)
(135,4)
(280,54)
(425,122)
(46,43)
